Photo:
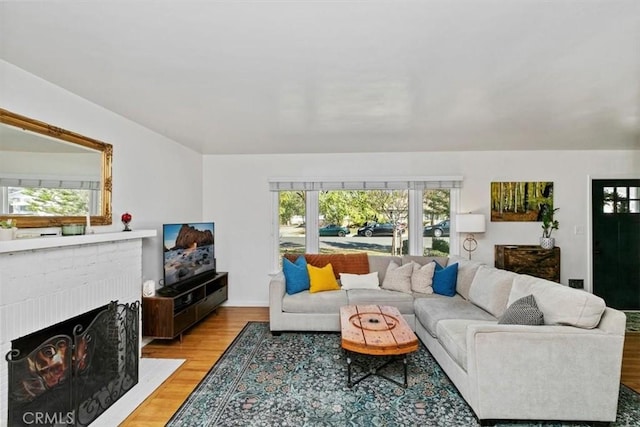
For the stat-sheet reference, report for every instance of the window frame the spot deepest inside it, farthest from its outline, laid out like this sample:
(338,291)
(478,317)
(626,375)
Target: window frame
(312,188)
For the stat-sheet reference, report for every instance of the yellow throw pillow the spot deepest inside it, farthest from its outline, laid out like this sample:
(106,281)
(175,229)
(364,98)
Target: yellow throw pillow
(322,279)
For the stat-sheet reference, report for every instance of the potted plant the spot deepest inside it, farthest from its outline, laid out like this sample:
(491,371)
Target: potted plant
(7,229)
(548,225)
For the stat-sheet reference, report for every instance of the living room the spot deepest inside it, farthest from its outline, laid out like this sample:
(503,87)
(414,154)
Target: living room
(160,179)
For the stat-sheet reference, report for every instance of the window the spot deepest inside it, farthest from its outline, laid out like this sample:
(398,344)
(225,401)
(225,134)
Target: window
(437,225)
(371,221)
(621,200)
(46,201)
(292,231)
(399,216)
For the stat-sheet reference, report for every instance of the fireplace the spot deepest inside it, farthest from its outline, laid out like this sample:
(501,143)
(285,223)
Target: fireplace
(71,372)
(45,281)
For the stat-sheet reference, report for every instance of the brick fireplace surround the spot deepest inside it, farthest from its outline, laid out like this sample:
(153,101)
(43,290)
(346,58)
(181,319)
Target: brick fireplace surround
(46,280)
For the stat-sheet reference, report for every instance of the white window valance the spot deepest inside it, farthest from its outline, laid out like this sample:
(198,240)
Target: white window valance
(395,183)
(49,183)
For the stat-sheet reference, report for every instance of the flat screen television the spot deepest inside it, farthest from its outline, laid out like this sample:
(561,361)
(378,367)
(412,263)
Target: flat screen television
(189,253)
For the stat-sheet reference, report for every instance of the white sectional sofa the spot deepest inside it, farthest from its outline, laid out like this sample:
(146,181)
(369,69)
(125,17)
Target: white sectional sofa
(321,311)
(567,369)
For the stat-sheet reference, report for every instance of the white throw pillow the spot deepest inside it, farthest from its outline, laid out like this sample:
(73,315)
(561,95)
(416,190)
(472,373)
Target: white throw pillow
(490,289)
(398,278)
(359,281)
(422,278)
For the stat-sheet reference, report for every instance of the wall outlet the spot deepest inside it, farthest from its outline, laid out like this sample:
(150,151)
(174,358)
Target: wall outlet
(576,283)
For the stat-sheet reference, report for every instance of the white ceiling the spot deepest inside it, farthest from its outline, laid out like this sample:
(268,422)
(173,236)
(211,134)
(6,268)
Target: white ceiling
(275,76)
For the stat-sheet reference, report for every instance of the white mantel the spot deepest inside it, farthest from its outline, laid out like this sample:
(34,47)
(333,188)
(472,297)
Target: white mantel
(45,280)
(28,244)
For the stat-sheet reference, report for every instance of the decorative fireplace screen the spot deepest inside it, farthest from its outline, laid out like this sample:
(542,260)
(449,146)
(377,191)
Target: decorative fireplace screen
(70,373)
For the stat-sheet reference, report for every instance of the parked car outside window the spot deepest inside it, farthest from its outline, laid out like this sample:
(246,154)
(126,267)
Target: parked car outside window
(440,229)
(377,229)
(333,230)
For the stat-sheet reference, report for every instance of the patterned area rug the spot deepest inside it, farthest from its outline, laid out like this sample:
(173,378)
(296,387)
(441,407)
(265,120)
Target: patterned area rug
(633,321)
(299,379)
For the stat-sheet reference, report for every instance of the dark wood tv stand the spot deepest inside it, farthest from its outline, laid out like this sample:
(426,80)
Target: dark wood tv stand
(172,311)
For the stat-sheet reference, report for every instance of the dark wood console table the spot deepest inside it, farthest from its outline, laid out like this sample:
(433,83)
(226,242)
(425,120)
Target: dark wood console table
(529,259)
(170,313)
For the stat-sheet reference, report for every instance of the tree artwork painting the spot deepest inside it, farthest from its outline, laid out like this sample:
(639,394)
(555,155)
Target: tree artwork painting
(520,201)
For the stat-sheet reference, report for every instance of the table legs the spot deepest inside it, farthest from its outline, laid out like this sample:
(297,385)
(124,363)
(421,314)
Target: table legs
(376,371)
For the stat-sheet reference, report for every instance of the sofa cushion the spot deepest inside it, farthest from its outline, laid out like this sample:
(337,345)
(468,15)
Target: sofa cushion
(444,279)
(359,281)
(524,311)
(296,275)
(452,335)
(434,308)
(422,278)
(322,279)
(466,272)
(403,302)
(398,278)
(320,302)
(490,289)
(560,304)
(380,263)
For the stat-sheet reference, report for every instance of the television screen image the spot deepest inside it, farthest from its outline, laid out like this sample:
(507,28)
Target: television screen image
(188,251)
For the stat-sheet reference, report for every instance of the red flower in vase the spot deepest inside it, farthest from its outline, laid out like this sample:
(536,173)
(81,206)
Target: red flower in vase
(126,219)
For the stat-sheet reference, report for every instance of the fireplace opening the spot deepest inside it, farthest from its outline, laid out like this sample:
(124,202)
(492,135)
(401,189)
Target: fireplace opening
(71,372)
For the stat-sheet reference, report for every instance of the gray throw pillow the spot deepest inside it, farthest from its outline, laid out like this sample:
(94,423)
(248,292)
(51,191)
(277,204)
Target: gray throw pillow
(398,278)
(524,311)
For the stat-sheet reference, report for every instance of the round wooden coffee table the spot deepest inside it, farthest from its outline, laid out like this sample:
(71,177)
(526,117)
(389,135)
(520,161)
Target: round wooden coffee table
(376,330)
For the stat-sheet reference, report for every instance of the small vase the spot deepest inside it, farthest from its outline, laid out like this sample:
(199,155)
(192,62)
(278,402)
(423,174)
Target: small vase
(547,242)
(126,219)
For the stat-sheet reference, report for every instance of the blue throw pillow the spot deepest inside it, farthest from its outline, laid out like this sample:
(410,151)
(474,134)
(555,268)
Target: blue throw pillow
(445,279)
(296,275)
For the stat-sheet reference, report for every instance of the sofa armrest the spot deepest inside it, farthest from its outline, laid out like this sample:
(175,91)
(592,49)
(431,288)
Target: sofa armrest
(569,372)
(613,321)
(277,289)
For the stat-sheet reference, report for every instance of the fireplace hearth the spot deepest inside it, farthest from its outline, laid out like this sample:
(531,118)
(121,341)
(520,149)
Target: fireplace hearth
(70,373)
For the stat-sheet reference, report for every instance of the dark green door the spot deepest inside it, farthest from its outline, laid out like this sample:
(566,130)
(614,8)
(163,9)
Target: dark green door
(616,242)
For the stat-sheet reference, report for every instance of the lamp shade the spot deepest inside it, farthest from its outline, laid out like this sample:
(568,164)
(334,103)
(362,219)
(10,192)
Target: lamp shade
(470,223)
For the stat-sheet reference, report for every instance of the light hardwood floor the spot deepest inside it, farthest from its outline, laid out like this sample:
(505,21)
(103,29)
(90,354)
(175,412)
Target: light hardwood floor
(204,344)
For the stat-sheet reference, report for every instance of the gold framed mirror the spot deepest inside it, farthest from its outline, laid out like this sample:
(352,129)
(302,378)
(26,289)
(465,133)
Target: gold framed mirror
(50,176)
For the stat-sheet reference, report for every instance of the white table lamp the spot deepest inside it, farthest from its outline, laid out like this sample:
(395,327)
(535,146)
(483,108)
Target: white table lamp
(470,224)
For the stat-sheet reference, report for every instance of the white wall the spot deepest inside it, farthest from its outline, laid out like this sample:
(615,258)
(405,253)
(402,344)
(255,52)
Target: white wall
(154,178)
(236,197)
